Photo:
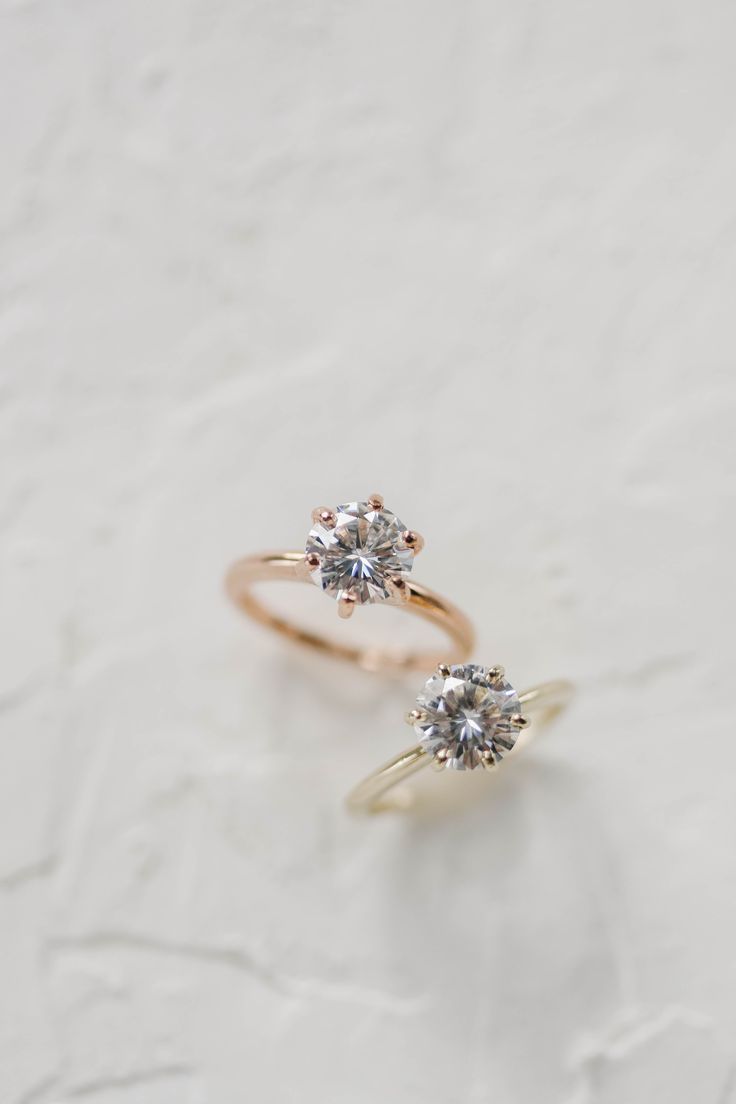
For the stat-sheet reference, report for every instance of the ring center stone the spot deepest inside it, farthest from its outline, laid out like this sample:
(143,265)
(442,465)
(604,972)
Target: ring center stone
(467,718)
(361,555)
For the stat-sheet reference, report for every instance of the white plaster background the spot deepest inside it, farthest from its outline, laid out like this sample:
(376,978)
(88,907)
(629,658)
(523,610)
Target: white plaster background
(258,256)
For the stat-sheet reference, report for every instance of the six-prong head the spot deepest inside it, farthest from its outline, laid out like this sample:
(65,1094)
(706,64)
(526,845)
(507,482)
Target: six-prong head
(359,550)
(470,718)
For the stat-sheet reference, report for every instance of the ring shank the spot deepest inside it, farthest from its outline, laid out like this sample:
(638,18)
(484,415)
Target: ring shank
(419,600)
(367,797)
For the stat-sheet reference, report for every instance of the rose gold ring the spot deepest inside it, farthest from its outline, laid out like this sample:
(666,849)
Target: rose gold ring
(357,553)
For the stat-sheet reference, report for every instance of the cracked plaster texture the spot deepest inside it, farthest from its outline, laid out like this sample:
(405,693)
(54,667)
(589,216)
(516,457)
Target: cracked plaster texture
(257,257)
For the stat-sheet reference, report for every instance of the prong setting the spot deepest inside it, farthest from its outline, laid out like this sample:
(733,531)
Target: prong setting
(439,761)
(415,716)
(361,551)
(322,515)
(413,540)
(397,589)
(346,605)
(472,716)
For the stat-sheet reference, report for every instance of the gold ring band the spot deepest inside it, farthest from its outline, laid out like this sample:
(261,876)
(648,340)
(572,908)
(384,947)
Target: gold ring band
(369,796)
(411,596)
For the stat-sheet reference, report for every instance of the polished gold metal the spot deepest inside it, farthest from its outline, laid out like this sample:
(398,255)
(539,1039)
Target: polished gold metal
(413,540)
(409,595)
(346,605)
(369,796)
(323,516)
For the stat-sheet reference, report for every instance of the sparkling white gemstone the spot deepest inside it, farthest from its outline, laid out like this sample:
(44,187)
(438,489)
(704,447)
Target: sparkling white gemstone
(466,717)
(361,555)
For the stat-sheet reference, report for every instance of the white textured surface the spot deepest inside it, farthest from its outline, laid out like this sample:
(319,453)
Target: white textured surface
(258,256)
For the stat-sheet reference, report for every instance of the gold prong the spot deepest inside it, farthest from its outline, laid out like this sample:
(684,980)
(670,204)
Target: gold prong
(324,516)
(438,763)
(443,669)
(518,721)
(345,605)
(495,674)
(415,716)
(397,589)
(413,540)
(487,759)
(376,501)
(312,560)
(302,569)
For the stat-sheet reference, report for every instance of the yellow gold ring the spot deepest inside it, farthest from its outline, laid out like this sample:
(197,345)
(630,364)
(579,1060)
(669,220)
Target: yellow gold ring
(466,716)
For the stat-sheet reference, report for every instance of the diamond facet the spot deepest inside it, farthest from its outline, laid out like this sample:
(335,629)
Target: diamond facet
(468,717)
(361,555)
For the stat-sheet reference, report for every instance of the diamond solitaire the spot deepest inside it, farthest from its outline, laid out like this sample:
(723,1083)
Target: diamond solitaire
(360,552)
(467,716)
